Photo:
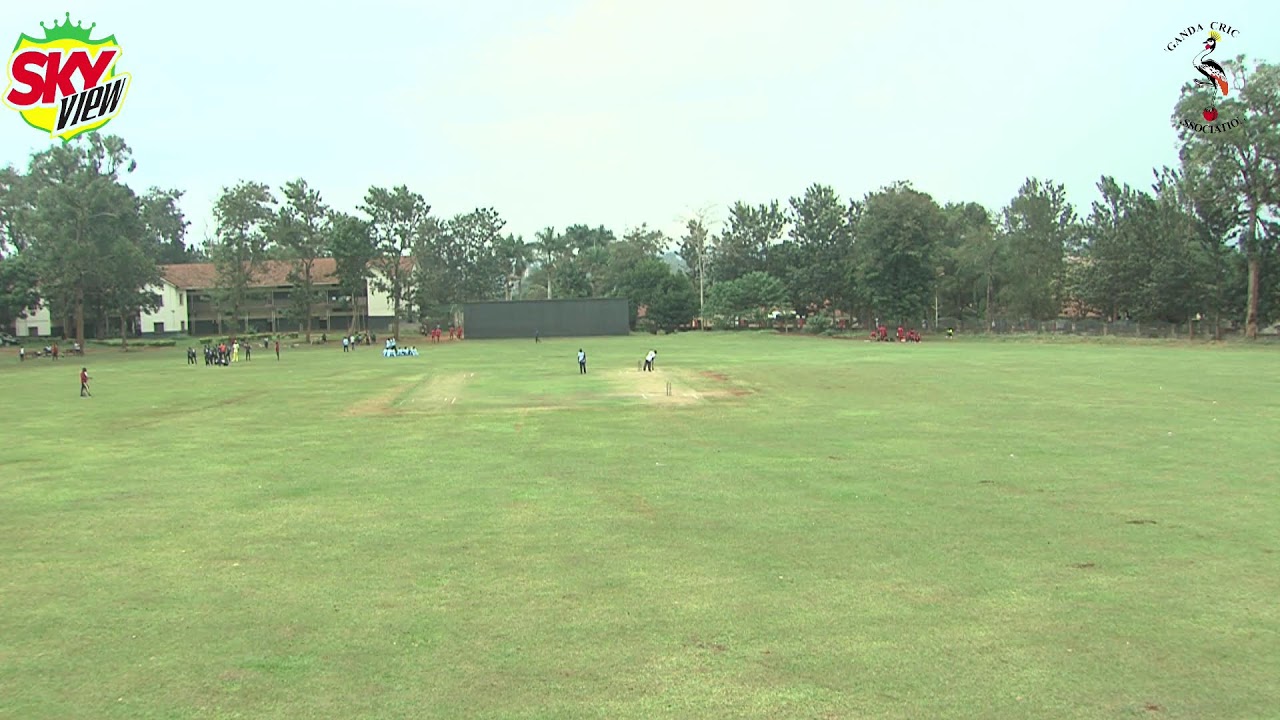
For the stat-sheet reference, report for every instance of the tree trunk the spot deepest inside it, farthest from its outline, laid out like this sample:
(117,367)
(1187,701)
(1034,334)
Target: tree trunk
(124,333)
(1255,282)
(1249,241)
(989,311)
(307,287)
(79,315)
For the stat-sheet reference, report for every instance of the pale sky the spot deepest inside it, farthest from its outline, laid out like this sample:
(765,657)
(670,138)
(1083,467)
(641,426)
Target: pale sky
(557,112)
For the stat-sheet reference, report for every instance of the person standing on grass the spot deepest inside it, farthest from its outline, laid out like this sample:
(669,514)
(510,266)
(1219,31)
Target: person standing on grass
(277,349)
(84,383)
(582,362)
(248,351)
(22,354)
(537,337)
(648,360)
(346,344)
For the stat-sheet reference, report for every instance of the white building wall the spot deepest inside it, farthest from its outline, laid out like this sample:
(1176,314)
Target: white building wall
(37,320)
(172,313)
(380,304)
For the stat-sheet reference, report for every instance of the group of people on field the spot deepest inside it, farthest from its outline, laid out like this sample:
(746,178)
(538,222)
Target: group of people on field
(392,349)
(455,333)
(351,342)
(223,354)
(50,351)
(881,334)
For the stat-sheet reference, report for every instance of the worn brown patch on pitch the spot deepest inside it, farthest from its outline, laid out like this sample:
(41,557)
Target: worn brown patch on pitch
(437,392)
(652,387)
(381,404)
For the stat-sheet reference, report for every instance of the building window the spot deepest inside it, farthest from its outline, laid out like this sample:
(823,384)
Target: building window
(159,327)
(180,298)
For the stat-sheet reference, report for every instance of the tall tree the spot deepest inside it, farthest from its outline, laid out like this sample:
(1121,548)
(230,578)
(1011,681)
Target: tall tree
(638,281)
(898,231)
(694,248)
(1241,166)
(1143,257)
(396,218)
(79,208)
(613,271)
(458,260)
(477,235)
(435,253)
(1182,271)
(163,216)
(672,302)
(353,249)
(745,244)
(1112,263)
(133,274)
(513,257)
(967,260)
(243,214)
(1039,230)
(18,281)
(550,249)
(18,288)
(17,205)
(301,227)
(822,243)
(584,261)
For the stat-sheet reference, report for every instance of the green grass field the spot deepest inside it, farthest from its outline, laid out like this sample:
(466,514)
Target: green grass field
(805,528)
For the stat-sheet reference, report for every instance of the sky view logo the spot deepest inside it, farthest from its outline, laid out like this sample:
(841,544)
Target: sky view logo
(66,84)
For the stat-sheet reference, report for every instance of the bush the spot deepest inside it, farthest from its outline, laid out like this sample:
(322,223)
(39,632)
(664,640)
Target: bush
(819,324)
(646,325)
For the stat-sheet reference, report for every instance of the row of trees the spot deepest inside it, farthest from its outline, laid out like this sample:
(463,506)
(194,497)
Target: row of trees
(425,264)
(75,237)
(1201,240)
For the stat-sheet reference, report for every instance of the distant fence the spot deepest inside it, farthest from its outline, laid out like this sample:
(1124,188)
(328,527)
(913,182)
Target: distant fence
(547,318)
(1199,329)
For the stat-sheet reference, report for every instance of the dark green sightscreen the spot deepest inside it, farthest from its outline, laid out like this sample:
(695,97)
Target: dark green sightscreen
(548,318)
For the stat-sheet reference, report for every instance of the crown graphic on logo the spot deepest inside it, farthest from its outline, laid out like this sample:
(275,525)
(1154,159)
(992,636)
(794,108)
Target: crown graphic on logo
(1215,35)
(64,31)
